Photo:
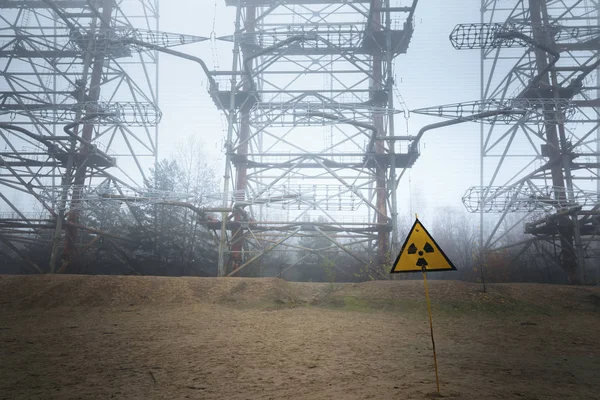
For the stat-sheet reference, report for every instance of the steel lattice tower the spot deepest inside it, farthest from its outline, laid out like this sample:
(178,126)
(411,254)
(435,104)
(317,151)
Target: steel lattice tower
(540,132)
(78,114)
(310,150)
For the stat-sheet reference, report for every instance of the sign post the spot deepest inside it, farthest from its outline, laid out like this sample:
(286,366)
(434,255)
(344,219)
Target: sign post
(437,378)
(420,252)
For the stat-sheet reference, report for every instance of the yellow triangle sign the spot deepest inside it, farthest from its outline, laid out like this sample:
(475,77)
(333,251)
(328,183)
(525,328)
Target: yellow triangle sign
(419,252)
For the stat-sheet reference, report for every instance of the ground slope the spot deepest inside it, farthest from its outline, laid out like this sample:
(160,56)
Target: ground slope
(88,337)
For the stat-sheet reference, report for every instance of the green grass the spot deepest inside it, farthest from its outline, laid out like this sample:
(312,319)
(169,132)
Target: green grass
(450,309)
(493,304)
(354,304)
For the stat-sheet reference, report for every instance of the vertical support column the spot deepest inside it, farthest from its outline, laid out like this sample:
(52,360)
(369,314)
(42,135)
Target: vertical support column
(156,83)
(67,176)
(482,250)
(231,120)
(556,147)
(389,84)
(237,242)
(80,175)
(566,164)
(378,122)
(598,112)
(597,267)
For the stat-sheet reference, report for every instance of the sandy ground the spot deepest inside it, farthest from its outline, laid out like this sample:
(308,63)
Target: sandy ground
(82,337)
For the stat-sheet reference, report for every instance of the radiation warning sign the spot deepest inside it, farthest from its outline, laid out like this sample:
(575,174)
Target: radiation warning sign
(420,252)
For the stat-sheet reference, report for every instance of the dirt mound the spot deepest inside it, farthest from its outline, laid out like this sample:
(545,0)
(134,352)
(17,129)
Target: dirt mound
(97,290)
(463,296)
(263,291)
(110,291)
(582,298)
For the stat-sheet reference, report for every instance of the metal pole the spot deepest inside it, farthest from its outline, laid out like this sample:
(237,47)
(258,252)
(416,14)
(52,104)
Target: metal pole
(482,252)
(156,83)
(228,147)
(237,239)
(392,144)
(437,378)
(79,175)
(555,136)
(380,172)
(67,176)
(598,134)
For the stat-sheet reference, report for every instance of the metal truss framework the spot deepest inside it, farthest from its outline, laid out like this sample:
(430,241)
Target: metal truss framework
(78,109)
(541,60)
(310,149)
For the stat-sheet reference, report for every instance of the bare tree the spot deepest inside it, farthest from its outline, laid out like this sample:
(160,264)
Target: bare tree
(456,233)
(198,179)
(197,169)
